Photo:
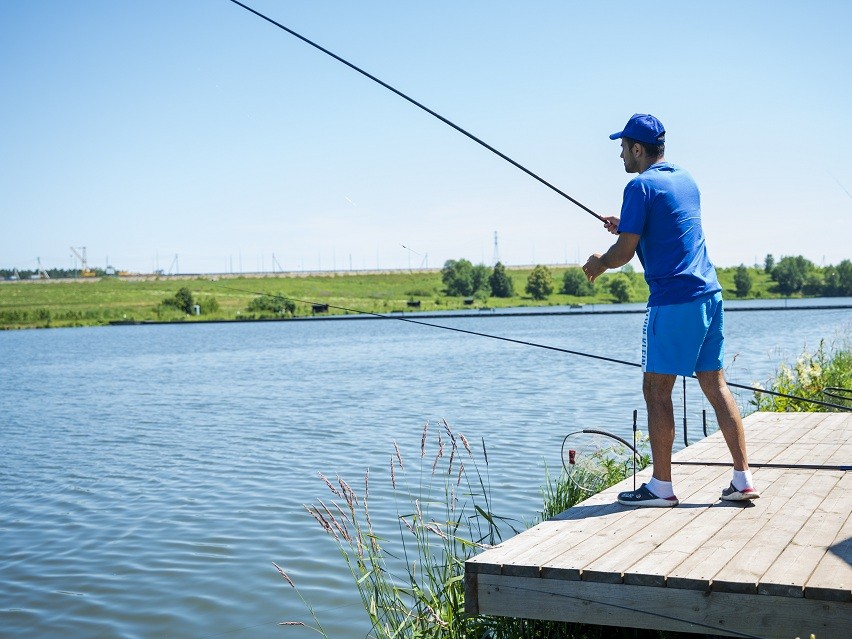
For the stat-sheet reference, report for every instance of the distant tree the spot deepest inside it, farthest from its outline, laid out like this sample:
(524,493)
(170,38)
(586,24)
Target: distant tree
(742,280)
(575,282)
(457,276)
(768,263)
(844,278)
(814,282)
(500,282)
(461,278)
(540,283)
(836,280)
(621,287)
(831,282)
(791,273)
(182,300)
(480,277)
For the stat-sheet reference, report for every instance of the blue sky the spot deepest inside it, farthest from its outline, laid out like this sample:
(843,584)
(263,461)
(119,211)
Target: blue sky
(146,130)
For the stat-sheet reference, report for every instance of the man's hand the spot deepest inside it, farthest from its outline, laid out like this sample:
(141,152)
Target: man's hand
(611,224)
(594,266)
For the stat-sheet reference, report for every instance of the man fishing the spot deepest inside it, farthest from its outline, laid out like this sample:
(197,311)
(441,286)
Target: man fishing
(661,222)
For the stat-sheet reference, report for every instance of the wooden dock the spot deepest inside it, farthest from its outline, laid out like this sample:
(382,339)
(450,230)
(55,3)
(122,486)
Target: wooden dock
(777,567)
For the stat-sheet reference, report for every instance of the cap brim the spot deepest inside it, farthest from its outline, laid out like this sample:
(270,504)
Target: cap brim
(615,136)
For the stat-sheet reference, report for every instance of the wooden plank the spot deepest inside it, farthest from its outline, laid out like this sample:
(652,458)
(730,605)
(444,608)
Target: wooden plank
(804,491)
(585,518)
(701,568)
(576,532)
(646,539)
(709,555)
(832,578)
(780,427)
(576,558)
(843,454)
(793,567)
(701,533)
(491,560)
(662,608)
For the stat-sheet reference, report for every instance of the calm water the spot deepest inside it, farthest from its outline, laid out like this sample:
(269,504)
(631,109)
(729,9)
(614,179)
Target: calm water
(149,475)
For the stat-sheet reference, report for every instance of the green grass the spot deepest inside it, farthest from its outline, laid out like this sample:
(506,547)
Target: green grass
(28,304)
(54,303)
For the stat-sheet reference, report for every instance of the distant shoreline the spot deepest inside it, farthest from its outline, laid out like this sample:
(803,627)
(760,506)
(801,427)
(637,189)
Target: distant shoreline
(462,314)
(397,294)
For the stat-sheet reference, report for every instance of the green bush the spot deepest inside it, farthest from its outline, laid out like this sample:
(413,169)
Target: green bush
(540,283)
(742,280)
(272,304)
(808,377)
(621,287)
(208,305)
(575,282)
(182,300)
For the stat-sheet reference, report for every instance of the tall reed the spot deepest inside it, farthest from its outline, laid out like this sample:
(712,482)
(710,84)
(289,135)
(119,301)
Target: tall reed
(413,586)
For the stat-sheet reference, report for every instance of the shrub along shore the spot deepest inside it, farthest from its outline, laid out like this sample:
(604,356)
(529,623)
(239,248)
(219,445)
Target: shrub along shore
(459,285)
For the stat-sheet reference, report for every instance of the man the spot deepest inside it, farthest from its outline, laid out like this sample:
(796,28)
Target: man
(661,222)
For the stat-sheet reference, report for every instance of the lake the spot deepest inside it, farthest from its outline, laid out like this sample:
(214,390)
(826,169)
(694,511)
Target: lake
(150,475)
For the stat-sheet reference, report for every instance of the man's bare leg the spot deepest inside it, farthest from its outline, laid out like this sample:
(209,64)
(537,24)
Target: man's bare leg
(716,390)
(657,388)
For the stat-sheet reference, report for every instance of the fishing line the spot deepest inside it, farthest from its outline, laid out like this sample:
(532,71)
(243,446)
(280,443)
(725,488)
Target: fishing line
(421,106)
(446,328)
(519,341)
(517,165)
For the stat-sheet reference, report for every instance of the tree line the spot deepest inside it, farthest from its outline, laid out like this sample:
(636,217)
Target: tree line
(461,278)
(791,275)
(794,275)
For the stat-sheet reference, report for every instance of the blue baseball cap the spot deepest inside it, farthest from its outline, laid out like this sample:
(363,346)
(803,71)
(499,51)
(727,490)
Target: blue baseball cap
(643,128)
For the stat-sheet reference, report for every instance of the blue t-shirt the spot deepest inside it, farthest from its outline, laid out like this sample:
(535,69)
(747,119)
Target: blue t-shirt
(663,206)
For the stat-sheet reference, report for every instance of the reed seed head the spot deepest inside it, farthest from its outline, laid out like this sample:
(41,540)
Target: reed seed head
(283,574)
(398,455)
(423,440)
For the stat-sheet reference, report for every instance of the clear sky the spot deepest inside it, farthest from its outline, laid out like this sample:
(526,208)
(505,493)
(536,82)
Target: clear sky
(153,129)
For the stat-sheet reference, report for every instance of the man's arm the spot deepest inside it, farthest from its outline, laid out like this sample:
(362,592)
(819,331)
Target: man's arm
(617,255)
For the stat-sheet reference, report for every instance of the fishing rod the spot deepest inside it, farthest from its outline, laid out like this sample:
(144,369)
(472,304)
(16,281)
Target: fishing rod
(511,161)
(508,159)
(525,343)
(421,106)
(841,467)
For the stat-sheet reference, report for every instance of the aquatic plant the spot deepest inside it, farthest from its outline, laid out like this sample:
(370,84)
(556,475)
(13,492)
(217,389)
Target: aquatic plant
(810,376)
(413,586)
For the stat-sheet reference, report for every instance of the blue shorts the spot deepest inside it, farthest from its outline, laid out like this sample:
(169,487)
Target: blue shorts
(682,339)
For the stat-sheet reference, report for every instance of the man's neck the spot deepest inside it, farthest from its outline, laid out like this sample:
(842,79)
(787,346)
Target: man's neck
(646,163)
